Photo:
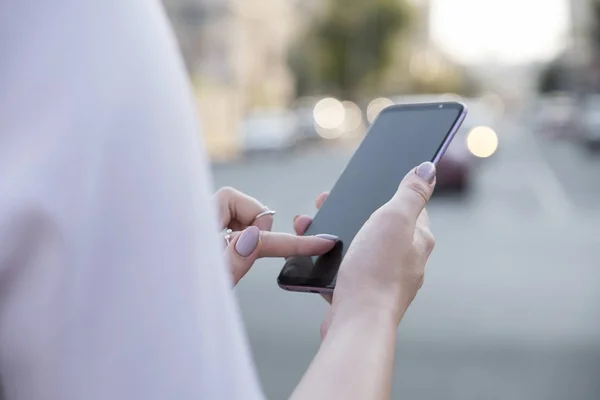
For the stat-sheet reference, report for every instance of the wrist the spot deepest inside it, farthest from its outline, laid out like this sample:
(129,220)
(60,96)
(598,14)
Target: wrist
(373,311)
(367,298)
(356,357)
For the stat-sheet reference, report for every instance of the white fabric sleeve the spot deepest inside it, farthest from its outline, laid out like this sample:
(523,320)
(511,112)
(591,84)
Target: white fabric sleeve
(112,284)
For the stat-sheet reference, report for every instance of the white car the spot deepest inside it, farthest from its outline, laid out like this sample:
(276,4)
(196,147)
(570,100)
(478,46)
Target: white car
(270,129)
(591,123)
(556,115)
(304,109)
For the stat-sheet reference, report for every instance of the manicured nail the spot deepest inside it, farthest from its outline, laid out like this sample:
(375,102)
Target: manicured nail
(328,237)
(426,171)
(247,241)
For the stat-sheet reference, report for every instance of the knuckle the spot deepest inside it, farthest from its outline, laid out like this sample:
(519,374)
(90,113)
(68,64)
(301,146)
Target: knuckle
(225,192)
(421,280)
(419,189)
(420,274)
(297,244)
(265,240)
(323,329)
(429,241)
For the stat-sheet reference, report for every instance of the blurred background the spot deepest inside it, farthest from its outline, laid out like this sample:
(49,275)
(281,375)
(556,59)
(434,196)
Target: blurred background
(511,305)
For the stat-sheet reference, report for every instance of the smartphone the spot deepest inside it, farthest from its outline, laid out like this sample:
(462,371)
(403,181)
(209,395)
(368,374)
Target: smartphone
(401,138)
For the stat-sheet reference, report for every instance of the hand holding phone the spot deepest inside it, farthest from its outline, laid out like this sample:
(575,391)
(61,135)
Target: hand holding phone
(382,270)
(394,273)
(401,137)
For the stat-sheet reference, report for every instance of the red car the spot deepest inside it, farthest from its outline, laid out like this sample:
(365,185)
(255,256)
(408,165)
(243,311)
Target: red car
(474,141)
(454,169)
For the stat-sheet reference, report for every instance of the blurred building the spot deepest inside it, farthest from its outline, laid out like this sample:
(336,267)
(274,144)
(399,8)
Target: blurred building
(577,68)
(578,55)
(237,43)
(236,54)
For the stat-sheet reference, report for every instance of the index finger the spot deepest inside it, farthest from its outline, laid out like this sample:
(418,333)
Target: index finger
(277,244)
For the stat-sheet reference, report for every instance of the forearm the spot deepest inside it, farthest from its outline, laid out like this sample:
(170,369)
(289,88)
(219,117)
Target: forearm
(355,360)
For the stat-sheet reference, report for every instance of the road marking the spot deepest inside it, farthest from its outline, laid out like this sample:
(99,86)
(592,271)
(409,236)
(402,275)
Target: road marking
(551,193)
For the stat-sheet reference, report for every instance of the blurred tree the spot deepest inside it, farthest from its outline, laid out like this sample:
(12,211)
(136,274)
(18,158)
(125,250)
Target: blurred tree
(595,33)
(351,44)
(551,78)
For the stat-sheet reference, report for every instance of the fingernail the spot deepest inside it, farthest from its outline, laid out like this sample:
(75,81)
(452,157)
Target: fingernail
(296,217)
(426,171)
(328,236)
(247,241)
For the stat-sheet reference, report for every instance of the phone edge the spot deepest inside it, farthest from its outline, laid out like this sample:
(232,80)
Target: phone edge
(440,153)
(446,143)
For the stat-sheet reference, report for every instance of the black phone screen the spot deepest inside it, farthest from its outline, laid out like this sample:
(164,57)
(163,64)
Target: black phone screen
(401,138)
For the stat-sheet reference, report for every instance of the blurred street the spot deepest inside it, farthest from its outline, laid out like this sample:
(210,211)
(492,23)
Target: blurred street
(104,261)
(511,302)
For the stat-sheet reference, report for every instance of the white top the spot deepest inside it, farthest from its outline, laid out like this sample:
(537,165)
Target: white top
(112,284)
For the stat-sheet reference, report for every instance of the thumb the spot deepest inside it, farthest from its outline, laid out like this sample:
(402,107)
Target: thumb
(242,251)
(416,189)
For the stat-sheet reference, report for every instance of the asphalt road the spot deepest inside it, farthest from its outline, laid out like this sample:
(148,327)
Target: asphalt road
(510,308)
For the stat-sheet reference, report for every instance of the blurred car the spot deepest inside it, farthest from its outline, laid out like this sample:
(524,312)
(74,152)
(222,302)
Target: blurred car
(474,141)
(590,126)
(556,116)
(268,130)
(303,108)
(454,169)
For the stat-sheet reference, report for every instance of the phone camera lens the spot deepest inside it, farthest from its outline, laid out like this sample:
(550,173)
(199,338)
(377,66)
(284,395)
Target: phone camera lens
(441,106)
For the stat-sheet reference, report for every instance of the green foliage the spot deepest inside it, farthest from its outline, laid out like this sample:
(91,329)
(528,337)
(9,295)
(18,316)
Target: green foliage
(352,44)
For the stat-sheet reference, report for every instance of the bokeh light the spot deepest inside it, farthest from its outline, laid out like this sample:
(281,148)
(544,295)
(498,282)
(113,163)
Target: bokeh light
(353,120)
(329,113)
(329,133)
(376,106)
(482,141)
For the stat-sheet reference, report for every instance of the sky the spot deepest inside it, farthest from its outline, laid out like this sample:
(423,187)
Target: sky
(507,31)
